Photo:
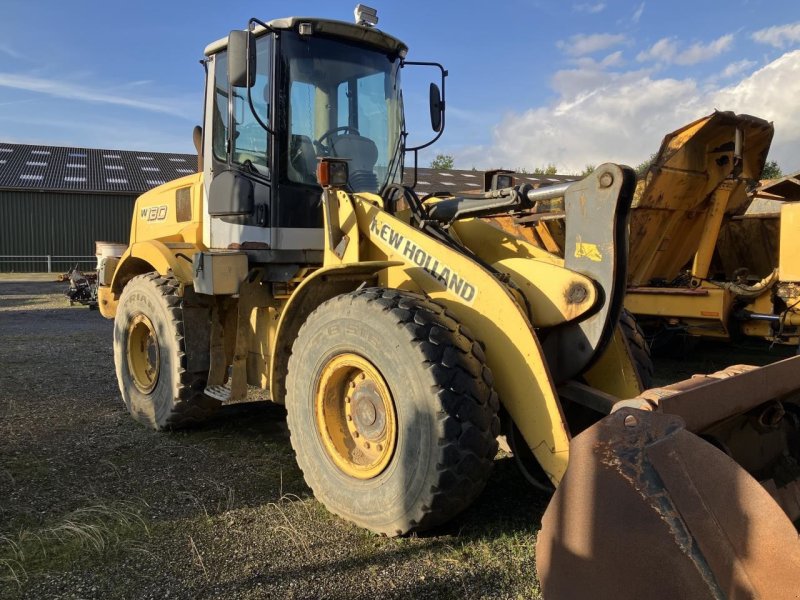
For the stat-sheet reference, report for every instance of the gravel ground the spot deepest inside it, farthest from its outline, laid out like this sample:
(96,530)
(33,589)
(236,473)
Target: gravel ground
(92,505)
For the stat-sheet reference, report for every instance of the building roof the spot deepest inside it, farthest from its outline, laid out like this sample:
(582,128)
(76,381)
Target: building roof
(54,168)
(785,188)
(464,181)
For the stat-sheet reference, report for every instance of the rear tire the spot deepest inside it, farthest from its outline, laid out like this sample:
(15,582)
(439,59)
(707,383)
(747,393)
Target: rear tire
(150,356)
(431,403)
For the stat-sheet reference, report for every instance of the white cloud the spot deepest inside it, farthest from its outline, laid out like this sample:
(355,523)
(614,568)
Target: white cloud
(583,44)
(612,60)
(779,36)
(699,52)
(73,91)
(591,9)
(736,68)
(622,117)
(637,14)
(666,50)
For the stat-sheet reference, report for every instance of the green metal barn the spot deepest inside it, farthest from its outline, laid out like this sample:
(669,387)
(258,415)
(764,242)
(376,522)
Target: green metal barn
(55,202)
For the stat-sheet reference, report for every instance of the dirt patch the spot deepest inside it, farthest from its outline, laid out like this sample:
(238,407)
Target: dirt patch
(93,505)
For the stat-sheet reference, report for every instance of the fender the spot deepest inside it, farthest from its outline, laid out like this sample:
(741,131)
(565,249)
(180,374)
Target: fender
(154,255)
(322,285)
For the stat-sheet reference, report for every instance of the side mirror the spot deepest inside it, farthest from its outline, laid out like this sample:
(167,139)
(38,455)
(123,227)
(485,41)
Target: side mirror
(241,63)
(437,107)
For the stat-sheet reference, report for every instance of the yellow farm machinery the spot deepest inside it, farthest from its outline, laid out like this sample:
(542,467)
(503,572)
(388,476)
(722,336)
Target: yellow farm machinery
(403,334)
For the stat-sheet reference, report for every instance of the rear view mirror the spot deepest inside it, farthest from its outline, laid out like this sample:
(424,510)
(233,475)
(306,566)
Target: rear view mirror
(437,107)
(241,63)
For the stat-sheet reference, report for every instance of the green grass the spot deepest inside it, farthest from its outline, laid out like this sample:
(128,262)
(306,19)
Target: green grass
(85,534)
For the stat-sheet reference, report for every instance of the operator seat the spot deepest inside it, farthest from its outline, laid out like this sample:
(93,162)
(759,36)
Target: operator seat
(363,154)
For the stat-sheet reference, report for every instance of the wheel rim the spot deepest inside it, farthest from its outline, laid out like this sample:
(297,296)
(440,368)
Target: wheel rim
(355,416)
(144,355)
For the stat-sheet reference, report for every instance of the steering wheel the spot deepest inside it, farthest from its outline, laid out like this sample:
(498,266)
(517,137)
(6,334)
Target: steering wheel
(319,143)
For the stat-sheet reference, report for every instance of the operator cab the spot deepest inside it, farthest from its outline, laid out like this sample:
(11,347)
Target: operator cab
(278,99)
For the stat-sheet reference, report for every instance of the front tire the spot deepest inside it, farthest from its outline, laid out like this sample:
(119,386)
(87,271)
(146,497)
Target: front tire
(150,356)
(391,410)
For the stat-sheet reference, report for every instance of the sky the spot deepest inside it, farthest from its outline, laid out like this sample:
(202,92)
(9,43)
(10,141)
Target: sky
(531,83)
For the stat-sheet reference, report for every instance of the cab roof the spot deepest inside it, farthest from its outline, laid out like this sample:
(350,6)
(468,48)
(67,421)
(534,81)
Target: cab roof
(341,29)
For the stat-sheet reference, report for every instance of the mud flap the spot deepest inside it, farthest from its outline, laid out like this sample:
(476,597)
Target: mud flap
(648,510)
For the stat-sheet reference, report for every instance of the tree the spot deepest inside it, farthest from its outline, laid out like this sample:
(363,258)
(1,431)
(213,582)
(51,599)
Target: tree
(550,169)
(771,171)
(588,170)
(443,162)
(643,167)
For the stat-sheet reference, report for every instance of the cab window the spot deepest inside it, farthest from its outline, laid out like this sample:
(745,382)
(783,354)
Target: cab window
(250,142)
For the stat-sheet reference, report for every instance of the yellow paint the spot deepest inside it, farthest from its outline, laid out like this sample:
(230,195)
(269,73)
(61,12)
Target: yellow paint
(668,302)
(614,372)
(157,237)
(107,302)
(548,287)
(587,250)
(169,229)
(345,380)
(789,255)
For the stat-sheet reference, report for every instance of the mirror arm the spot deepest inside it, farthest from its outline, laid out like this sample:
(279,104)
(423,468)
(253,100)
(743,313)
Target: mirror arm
(444,75)
(250,25)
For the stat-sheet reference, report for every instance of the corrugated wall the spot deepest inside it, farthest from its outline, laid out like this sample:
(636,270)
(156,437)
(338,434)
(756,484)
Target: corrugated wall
(59,224)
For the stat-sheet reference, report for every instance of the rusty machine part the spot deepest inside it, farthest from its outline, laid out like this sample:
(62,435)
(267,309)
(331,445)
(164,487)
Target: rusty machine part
(649,510)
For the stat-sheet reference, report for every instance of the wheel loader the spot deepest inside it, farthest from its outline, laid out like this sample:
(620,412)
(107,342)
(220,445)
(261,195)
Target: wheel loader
(404,333)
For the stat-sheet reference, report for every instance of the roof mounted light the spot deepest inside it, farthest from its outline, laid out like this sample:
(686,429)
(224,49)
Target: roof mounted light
(366,16)
(304,29)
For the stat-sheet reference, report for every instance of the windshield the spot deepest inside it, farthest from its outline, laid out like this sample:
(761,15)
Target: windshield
(344,101)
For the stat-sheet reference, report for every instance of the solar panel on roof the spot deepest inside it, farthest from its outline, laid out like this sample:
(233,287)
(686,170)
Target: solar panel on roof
(88,169)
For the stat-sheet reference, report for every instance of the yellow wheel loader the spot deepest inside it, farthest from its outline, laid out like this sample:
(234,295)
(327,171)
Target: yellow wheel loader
(400,331)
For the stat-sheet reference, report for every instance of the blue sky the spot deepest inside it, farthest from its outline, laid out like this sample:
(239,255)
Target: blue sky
(531,82)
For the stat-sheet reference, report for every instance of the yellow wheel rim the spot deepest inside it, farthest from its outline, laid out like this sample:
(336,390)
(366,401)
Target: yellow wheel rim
(355,416)
(144,355)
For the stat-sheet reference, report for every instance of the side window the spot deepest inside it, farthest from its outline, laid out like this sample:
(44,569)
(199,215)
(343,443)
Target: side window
(220,122)
(250,139)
